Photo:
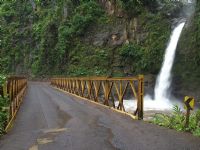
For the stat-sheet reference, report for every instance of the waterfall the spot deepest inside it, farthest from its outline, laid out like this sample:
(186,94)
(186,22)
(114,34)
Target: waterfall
(161,96)
(164,78)
(161,100)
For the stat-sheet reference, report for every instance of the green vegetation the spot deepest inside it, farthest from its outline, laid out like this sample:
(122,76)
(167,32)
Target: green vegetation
(4,104)
(62,38)
(85,60)
(177,121)
(88,38)
(189,54)
(41,38)
(131,55)
(2,79)
(74,38)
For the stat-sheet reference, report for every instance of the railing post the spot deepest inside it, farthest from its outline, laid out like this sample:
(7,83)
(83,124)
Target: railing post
(106,92)
(5,90)
(140,96)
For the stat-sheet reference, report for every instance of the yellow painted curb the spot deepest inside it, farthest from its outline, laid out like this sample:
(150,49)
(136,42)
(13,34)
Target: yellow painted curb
(96,103)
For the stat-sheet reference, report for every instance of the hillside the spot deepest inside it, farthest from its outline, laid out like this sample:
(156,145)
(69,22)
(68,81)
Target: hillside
(96,37)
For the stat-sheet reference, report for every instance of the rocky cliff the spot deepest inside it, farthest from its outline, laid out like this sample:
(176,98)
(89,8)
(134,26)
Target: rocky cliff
(94,38)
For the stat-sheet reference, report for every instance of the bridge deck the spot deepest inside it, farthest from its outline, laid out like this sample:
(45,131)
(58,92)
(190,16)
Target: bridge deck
(50,120)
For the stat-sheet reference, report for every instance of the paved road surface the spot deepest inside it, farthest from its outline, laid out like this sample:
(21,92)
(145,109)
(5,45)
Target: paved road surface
(51,120)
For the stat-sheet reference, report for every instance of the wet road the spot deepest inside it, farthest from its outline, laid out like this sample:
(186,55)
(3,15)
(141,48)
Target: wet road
(51,120)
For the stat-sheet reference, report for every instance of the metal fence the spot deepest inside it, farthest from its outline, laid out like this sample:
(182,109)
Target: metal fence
(14,89)
(108,91)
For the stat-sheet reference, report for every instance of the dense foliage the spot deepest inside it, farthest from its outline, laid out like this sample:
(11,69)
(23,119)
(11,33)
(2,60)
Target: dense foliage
(177,121)
(2,79)
(46,38)
(189,54)
(41,38)
(4,103)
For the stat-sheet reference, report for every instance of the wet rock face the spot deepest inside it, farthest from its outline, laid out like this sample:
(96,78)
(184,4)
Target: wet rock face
(172,9)
(65,12)
(100,39)
(117,34)
(149,84)
(109,6)
(121,31)
(33,4)
(110,39)
(135,32)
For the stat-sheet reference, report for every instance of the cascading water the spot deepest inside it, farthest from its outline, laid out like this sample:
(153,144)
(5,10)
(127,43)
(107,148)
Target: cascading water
(161,96)
(161,100)
(164,79)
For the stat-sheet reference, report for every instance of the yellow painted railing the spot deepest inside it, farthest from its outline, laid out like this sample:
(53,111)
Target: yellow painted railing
(14,89)
(108,91)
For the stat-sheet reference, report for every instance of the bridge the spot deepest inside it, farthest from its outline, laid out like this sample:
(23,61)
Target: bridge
(82,114)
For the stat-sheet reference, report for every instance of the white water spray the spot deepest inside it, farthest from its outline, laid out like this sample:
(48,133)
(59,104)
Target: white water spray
(161,95)
(163,82)
(164,79)
(161,100)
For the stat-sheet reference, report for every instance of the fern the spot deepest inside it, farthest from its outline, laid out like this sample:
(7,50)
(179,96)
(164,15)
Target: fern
(161,119)
(197,117)
(176,109)
(177,121)
(196,132)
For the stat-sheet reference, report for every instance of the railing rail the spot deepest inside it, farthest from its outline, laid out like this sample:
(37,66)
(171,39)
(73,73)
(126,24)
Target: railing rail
(14,89)
(108,91)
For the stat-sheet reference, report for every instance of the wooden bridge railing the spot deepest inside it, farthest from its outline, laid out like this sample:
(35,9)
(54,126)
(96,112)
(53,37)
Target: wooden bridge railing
(14,89)
(108,91)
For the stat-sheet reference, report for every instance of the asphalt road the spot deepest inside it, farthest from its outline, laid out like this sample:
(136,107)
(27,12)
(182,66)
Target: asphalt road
(51,120)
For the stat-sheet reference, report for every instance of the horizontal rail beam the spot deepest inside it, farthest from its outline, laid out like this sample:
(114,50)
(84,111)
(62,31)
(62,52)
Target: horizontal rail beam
(108,91)
(101,78)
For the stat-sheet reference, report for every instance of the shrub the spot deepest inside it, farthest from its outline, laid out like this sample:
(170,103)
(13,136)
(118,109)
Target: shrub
(4,103)
(133,7)
(177,121)
(132,56)
(2,79)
